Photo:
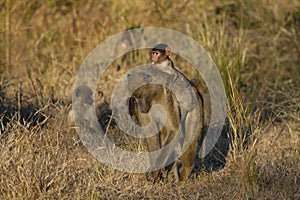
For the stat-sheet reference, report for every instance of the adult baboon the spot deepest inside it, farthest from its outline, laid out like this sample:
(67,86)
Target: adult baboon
(184,115)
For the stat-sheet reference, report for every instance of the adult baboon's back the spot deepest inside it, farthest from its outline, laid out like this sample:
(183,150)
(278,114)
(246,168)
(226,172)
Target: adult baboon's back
(183,126)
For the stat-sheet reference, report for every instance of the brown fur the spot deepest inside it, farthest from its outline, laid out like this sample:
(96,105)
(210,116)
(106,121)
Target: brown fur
(205,99)
(139,105)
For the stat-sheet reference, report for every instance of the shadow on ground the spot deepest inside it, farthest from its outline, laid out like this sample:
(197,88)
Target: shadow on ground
(216,158)
(25,113)
(214,161)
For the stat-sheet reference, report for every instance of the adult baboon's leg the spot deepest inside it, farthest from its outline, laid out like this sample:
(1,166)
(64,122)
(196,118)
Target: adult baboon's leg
(168,155)
(188,159)
(193,127)
(153,144)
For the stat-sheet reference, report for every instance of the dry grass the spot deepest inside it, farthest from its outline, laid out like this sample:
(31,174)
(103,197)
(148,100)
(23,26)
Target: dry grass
(254,43)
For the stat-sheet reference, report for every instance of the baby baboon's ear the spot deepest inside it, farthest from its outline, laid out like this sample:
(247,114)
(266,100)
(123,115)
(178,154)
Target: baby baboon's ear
(168,51)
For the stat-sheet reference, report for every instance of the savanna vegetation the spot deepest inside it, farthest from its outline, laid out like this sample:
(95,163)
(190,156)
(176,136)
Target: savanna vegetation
(255,44)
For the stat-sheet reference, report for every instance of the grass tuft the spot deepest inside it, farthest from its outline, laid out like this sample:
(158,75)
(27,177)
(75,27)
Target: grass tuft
(255,45)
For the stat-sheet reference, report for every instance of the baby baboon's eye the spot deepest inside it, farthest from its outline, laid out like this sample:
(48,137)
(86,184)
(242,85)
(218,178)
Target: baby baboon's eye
(155,53)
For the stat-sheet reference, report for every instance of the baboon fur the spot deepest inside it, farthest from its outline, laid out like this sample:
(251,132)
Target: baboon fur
(140,103)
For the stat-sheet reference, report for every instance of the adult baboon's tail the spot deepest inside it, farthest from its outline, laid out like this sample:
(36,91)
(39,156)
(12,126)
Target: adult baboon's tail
(206,104)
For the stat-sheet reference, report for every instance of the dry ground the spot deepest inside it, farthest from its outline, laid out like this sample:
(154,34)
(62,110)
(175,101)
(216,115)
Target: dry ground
(42,44)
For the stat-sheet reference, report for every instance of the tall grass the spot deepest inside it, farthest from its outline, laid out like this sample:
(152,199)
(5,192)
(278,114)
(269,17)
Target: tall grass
(255,45)
(229,55)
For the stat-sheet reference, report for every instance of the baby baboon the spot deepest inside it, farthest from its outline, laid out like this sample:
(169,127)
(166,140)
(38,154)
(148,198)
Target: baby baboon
(178,115)
(161,56)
